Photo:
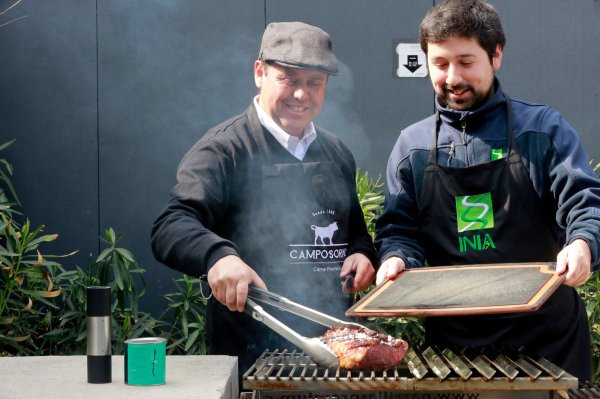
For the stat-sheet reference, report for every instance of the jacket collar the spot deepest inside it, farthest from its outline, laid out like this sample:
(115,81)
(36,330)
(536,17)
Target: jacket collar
(479,115)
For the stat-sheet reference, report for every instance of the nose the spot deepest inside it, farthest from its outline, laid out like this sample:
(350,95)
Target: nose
(300,93)
(453,75)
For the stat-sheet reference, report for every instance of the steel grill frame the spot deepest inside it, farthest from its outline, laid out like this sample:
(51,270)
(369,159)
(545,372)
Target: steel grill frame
(294,371)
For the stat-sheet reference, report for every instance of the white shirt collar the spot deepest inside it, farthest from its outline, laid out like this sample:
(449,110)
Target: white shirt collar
(296,147)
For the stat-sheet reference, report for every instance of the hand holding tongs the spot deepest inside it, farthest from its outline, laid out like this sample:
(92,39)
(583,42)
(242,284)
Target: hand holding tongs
(313,347)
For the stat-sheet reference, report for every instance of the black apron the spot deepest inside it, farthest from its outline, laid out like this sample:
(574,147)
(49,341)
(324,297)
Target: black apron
(294,234)
(490,213)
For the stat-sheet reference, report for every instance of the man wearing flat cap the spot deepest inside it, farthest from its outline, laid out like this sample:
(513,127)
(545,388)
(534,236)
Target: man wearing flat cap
(268,199)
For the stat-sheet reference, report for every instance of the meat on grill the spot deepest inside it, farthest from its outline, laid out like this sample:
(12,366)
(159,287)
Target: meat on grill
(364,349)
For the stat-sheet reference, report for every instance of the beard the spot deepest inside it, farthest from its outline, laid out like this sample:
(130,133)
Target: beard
(474,101)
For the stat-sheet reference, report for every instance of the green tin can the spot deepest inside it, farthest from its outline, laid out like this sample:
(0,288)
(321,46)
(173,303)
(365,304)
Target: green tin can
(145,361)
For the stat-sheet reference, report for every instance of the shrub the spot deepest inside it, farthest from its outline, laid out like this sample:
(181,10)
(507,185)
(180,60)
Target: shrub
(371,198)
(187,309)
(42,305)
(115,267)
(590,293)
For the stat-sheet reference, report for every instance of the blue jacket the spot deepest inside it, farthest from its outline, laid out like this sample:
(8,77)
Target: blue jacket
(551,151)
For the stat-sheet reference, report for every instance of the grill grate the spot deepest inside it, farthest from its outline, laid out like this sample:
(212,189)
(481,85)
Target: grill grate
(586,390)
(421,370)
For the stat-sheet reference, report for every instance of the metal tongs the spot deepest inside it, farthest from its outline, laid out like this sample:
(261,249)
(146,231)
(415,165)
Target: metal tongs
(313,347)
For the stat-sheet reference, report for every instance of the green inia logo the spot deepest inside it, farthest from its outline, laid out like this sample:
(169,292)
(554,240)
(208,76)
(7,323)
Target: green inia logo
(496,153)
(474,212)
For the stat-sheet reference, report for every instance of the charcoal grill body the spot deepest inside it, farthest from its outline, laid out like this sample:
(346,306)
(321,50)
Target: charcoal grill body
(291,375)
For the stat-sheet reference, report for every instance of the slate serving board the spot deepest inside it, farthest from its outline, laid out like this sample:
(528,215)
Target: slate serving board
(461,290)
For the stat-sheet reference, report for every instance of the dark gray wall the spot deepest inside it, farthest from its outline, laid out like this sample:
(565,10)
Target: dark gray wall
(104,97)
(48,102)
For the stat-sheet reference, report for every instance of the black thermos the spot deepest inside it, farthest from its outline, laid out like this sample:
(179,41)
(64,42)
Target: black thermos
(99,367)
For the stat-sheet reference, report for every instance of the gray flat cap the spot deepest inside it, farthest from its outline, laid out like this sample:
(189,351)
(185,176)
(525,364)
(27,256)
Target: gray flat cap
(298,45)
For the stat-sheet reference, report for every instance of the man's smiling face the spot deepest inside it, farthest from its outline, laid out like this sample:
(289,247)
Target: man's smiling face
(461,72)
(292,97)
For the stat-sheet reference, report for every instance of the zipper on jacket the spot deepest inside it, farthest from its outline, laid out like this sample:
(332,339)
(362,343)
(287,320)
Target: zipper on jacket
(463,124)
(451,153)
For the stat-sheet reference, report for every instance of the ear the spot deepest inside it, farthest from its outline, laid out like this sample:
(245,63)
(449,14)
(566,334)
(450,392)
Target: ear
(497,57)
(259,72)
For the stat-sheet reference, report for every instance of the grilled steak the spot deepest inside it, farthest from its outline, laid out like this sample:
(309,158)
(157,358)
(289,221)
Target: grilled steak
(364,349)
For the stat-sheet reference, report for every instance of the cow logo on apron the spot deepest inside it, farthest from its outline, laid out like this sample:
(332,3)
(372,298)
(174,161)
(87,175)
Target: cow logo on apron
(325,232)
(474,213)
(324,253)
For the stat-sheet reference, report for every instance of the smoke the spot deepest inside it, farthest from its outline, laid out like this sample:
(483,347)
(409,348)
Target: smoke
(341,118)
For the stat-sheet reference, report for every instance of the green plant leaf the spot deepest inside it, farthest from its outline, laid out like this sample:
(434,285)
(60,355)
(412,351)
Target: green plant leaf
(46,238)
(4,252)
(125,254)
(119,278)
(7,144)
(14,339)
(191,340)
(111,236)
(103,255)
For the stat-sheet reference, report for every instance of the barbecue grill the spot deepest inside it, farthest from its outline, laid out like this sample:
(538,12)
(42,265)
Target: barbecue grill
(424,373)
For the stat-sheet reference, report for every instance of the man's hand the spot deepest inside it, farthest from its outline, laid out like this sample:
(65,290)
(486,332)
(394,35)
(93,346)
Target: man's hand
(229,279)
(390,269)
(360,266)
(575,259)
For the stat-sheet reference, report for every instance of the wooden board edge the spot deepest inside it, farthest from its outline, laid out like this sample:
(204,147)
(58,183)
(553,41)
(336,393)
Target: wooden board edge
(359,309)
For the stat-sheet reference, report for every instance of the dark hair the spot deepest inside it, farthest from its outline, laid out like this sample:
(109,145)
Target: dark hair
(463,18)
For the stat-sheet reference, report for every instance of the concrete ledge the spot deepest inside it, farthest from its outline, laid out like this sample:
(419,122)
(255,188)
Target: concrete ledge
(60,377)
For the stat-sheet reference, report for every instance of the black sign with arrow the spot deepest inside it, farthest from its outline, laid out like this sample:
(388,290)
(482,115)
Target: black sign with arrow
(410,60)
(412,63)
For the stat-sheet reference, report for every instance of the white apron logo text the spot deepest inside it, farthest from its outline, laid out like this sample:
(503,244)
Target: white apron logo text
(318,254)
